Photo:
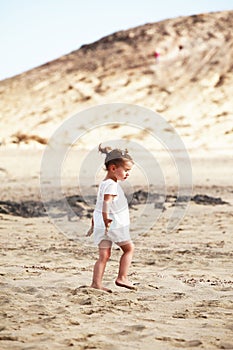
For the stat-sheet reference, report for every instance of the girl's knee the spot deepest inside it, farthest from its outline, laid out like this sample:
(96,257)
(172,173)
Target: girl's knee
(108,255)
(131,245)
(105,255)
(127,247)
(131,249)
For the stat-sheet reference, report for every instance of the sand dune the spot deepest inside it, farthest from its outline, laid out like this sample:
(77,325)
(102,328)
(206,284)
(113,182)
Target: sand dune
(191,87)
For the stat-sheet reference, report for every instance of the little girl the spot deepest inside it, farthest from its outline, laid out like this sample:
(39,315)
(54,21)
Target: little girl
(110,221)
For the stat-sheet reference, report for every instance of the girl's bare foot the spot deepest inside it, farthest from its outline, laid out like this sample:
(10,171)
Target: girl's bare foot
(125,284)
(101,288)
(106,289)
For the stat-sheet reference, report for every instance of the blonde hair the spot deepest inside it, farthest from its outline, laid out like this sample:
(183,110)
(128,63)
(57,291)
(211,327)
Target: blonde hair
(115,156)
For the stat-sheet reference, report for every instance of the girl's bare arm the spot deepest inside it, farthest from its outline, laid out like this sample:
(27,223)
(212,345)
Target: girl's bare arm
(108,198)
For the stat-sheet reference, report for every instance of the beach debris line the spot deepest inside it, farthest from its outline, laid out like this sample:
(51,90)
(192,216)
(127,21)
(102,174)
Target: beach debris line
(36,208)
(75,206)
(25,209)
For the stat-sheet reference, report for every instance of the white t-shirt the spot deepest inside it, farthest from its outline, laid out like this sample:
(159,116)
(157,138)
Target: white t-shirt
(118,212)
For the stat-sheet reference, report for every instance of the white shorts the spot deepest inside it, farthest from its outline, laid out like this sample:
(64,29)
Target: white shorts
(115,236)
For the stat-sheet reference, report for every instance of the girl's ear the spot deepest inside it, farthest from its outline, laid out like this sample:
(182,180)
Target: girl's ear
(112,167)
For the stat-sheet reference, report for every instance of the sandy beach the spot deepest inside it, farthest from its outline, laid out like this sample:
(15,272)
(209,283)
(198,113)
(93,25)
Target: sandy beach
(184,278)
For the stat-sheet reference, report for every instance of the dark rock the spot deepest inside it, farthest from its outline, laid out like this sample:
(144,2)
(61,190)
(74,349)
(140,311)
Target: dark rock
(207,200)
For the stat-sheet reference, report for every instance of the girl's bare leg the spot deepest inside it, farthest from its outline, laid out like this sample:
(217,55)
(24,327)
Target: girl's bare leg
(99,268)
(125,261)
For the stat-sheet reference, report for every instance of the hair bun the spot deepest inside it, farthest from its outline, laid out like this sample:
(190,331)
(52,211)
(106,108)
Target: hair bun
(105,150)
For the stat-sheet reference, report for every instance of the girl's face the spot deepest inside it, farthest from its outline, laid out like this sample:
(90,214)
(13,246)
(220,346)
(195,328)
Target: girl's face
(121,172)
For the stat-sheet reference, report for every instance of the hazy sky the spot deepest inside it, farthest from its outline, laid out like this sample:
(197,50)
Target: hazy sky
(33,32)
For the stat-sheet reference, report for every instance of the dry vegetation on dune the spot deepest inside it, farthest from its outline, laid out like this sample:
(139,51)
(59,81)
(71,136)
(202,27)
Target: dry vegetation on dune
(191,85)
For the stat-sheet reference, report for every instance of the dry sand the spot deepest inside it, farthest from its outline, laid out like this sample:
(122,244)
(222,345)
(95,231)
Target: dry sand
(184,278)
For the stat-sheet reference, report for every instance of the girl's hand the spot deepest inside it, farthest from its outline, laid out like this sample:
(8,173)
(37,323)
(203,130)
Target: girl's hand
(107,225)
(90,231)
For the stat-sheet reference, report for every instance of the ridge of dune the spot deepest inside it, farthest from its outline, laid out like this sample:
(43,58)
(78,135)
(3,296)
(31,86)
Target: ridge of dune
(190,84)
